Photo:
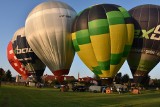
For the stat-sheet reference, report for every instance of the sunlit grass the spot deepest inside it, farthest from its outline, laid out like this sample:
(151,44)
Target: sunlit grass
(20,96)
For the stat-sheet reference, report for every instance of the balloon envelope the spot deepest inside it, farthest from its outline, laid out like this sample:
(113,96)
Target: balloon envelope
(25,54)
(15,63)
(48,31)
(145,51)
(102,36)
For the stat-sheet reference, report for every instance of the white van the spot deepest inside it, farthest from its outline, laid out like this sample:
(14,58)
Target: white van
(95,89)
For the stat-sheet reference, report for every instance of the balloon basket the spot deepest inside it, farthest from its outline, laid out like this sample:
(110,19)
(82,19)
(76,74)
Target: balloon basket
(106,81)
(108,90)
(138,79)
(135,91)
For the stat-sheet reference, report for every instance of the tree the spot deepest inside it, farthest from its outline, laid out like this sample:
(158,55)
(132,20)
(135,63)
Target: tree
(145,81)
(2,74)
(8,76)
(125,78)
(156,82)
(118,78)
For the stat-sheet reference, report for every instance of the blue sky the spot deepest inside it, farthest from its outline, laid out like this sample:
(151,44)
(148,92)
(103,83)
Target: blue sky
(15,12)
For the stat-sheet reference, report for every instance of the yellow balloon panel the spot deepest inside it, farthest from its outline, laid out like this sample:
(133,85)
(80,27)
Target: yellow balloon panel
(101,46)
(115,68)
(87,50)
(105,73)
(130,31)
(118,38)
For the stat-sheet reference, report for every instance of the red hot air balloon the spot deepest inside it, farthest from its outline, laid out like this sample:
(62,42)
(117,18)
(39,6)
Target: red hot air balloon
(15,63)
(26,56)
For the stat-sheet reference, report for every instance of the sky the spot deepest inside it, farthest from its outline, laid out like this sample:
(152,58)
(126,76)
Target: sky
(13,16)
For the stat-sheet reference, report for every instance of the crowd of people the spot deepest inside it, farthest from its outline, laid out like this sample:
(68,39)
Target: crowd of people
(120,90)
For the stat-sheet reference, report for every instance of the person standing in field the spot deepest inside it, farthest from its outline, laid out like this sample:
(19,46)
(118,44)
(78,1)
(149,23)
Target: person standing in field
(103,90)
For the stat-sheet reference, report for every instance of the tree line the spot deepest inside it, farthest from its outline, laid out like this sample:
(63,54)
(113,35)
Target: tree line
(5,75)
(125,79)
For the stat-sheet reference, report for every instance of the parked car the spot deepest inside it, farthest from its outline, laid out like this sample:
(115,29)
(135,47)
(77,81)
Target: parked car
(79,88)
(57,86)
(39,85)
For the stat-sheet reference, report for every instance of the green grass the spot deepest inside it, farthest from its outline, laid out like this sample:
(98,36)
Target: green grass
(20,96)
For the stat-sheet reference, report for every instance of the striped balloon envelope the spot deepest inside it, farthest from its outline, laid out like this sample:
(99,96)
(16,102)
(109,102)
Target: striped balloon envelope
(145,51)
(48,32)
(102,36)
(15,63)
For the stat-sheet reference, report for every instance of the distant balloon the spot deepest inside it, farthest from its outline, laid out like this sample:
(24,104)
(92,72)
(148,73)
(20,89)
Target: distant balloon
(145,52)
(25,54)
(102,37)
(48,31)
(15,63)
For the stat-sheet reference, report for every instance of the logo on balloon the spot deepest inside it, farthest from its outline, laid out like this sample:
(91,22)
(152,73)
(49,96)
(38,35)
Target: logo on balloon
(147,51)
(67,16)
(153,33)
(23,50)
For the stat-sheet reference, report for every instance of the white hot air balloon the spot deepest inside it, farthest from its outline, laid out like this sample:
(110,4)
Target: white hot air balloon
(48,32)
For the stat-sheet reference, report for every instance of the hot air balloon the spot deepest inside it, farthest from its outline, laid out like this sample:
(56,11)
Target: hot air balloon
(48,32)
(26,56)
(15,63)
(102,36)
(145,51)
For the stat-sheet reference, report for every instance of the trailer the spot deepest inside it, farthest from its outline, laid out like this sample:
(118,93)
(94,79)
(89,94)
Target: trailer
(95,89)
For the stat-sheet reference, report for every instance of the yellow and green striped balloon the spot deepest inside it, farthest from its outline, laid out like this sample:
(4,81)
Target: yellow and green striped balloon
(102,36)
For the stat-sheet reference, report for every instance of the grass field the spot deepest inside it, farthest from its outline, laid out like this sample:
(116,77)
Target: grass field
(20,96)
